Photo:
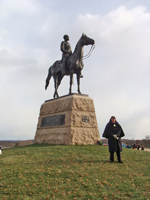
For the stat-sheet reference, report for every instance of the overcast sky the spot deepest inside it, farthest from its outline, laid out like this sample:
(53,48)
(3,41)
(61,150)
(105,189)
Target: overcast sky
(116,75)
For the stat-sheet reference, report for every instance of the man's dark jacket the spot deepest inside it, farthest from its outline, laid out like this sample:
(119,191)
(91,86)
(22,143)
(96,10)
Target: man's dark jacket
(110,130)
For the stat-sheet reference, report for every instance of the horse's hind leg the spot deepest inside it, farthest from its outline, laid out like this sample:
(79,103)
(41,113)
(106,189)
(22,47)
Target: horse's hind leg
(54,90)
(78,82)
(55,86)
(71,77)
(60,77)
(55,95)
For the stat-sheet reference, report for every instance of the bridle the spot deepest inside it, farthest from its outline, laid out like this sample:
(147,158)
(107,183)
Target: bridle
(90,52)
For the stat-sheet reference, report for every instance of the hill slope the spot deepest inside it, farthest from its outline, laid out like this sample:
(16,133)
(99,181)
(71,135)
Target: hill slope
(73,172)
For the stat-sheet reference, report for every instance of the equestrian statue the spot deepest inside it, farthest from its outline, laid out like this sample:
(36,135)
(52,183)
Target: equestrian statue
(71,63)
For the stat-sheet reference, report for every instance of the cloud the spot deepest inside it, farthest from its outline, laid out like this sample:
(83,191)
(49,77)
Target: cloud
(121,68)
(13,8)
(116,75)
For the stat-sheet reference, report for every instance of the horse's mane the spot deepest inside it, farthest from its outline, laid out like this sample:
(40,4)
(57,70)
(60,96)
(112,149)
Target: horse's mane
(77,45)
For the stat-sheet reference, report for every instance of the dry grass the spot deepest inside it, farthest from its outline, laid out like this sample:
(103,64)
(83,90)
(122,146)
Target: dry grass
(73,172)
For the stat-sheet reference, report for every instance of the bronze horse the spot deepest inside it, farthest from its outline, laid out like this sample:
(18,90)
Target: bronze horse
(74,65)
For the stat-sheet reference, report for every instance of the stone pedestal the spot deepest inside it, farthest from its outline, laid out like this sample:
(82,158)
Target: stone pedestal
(68,120)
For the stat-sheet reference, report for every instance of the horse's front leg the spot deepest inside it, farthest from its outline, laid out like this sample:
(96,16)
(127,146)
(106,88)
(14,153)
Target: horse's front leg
(56,86)
(78,82)
(54,95)
(71,78)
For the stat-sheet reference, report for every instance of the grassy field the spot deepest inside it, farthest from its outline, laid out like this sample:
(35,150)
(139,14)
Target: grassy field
(73,172)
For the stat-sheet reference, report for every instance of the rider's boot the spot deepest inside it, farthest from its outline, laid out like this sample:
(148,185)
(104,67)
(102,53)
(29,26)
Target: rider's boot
(63,69)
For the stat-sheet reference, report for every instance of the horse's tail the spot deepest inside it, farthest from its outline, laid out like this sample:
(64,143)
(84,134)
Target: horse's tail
(48,78)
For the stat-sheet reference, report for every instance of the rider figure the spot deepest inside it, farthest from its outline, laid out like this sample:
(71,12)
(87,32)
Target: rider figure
(65,47)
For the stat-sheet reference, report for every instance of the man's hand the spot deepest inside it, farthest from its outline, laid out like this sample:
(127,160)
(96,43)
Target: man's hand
(115,136)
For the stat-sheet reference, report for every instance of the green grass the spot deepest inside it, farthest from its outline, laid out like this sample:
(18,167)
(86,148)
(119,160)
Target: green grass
(73,172)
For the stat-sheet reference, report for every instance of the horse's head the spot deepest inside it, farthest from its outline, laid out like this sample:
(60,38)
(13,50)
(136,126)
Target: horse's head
(86,40)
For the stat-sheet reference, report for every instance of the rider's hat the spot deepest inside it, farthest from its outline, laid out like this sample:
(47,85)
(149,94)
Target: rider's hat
(66,37)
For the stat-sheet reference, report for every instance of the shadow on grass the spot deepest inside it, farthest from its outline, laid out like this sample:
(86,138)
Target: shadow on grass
(79,162)
(58,145)
(68,162)
(38,145)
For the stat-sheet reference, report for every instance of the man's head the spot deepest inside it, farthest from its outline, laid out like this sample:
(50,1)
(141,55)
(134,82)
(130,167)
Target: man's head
(113,119)
(66,37)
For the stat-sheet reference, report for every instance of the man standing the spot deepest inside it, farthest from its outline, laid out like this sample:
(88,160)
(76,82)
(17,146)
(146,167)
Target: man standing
(113,131)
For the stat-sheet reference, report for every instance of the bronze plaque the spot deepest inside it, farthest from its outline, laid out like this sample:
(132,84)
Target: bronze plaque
(85,118)
(56,120)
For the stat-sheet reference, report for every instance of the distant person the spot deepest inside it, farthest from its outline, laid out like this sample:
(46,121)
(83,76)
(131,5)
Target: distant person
(142,147)
(127,145)
(123,145)
(113,131)
(133,145)
(137,146)
(0,150)
(106,144)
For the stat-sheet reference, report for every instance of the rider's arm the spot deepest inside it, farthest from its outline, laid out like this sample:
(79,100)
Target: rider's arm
(62,47)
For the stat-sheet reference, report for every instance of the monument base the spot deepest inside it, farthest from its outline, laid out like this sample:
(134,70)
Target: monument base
(68,120)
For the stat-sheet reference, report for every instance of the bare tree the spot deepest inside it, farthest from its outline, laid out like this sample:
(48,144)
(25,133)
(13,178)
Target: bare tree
(147,137)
